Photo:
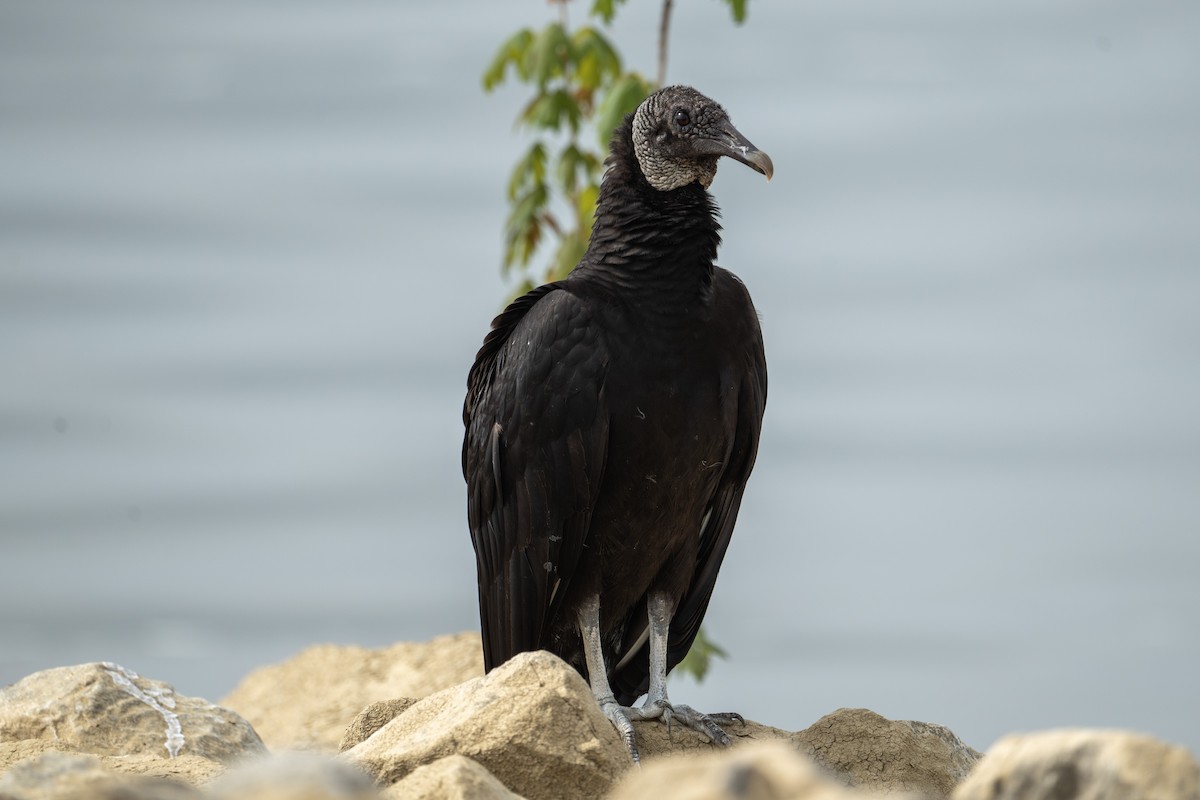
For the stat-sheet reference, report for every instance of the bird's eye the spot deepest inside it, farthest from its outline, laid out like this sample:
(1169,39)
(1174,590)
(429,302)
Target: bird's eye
(682,119)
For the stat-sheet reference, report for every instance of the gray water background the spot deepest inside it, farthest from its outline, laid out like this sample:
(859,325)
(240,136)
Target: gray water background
(248,250)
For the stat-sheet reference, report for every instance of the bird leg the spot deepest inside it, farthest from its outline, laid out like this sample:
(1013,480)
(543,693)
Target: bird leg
(618,715)
(657,706)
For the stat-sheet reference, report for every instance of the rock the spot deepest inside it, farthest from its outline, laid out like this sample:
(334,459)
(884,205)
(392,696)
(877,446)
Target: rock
(1083,765)
(532,722)
(74,776)
(654,739)
(758,771)
(372,718)
(309,700)
(13,752)
(869,751)
(294,776)
(450,778)
(192,770)
(105,709)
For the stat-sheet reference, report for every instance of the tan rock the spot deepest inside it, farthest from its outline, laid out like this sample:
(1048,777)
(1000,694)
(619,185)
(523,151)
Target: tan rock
(372,718)
(14,752)
(654,739)
(294,776)
(869,751)
(74,776)
(309,700)
(769,770)
(105,709)
(532,722)
(450,778)
(192,770)
(1083,765)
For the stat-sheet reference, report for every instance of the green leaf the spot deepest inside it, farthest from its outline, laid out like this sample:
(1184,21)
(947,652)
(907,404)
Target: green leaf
(738,9)
(550,110)
(548,54)
(511,52)
(572,162)
(570,250)
(626,93)
(531,169)
(605,9)
(698,660)
(585,209)
(596,60)
(523,229)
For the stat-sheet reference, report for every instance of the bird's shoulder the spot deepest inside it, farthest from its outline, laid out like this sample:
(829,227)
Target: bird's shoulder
(730,291)
(546,334)
(737,321)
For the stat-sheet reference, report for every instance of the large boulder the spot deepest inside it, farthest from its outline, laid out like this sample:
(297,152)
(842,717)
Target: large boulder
(105,709)
(868,751)
(1083,765)
(758,771)
(308,701)
(532,722)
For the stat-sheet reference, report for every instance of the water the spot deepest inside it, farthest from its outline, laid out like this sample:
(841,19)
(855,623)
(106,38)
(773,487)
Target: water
(247,253)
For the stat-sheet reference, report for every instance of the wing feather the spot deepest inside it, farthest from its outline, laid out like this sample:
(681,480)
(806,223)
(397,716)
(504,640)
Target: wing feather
(533,458)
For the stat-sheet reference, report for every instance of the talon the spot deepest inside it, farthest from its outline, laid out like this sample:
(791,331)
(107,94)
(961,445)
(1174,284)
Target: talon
(727,717)
(622,719)
(703,723)
(631,746)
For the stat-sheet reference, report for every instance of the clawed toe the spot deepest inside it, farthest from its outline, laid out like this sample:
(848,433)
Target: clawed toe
(622,719)
(709,725)
(727,718)
(703,723)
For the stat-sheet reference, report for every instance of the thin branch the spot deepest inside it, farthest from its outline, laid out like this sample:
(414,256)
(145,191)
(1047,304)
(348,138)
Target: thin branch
(664,28)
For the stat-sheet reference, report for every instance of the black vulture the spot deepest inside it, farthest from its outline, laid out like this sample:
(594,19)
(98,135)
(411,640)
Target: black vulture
(612,420)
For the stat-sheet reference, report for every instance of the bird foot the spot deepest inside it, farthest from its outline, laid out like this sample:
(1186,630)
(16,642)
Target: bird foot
(622,719)
(707,724)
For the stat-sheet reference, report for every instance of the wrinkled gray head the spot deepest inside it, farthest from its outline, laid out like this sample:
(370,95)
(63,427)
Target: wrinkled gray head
(678,135)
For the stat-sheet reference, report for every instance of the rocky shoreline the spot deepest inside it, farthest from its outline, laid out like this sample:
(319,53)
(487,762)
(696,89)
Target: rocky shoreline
(420,720)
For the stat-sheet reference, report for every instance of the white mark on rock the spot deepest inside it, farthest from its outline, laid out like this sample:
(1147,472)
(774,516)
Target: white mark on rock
(161,700)
(652,478)
(640,414)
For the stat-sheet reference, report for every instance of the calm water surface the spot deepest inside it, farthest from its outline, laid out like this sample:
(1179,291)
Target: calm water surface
(247,252)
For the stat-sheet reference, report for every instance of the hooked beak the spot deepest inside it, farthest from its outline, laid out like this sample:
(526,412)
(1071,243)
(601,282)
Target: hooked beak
(728,141)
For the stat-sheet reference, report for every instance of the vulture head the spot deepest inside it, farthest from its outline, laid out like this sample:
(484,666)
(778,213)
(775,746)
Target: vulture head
(678,135)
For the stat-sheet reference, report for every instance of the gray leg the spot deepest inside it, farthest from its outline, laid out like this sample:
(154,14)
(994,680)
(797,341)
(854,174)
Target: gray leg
(589,629)
(657,706)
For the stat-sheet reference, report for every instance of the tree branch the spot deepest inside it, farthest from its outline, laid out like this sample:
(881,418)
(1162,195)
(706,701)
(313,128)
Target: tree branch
(664,28)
